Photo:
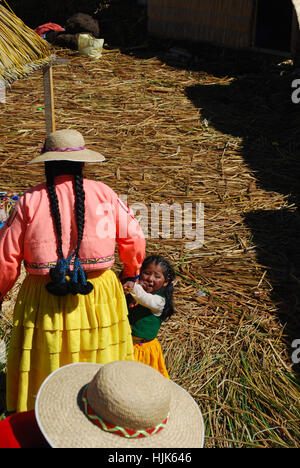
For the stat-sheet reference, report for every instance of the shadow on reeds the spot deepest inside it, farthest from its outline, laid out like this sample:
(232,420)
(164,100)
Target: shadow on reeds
(258,108)
(276,235)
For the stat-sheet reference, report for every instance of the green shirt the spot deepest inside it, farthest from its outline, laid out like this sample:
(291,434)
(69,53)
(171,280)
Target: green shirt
(144,323)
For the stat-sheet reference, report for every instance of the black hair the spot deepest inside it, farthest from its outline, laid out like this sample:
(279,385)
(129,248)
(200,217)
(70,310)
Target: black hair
(169,275)
(77,284)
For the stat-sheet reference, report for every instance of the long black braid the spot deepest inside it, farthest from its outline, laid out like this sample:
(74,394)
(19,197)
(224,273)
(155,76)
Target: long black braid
(55,212)
(169,275)
(79,209)
(77,284)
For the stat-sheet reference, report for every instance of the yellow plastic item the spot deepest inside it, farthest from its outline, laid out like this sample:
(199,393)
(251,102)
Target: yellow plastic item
(89,46)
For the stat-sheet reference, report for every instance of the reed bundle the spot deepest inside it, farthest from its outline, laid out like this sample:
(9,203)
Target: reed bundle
(227,139)
(21,50)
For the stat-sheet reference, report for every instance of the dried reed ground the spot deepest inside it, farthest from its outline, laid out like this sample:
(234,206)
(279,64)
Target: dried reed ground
(226,348)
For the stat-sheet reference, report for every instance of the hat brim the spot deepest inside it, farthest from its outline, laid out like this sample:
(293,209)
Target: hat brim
(84,155)
(64,424)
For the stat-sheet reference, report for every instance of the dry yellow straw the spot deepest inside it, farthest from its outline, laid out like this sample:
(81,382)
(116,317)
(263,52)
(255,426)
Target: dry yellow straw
(21,49)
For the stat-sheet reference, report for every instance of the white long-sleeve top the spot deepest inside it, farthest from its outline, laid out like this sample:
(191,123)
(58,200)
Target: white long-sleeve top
(154,302)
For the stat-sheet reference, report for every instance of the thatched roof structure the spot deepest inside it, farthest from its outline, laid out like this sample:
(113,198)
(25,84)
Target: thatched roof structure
(21,50)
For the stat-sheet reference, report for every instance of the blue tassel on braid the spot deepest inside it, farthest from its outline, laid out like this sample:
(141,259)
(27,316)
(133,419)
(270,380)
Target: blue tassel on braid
(78,283)
(60,286)
(63,267)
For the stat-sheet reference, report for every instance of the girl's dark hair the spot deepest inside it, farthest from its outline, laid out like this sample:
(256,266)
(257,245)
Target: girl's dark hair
(169,275)
(77,284)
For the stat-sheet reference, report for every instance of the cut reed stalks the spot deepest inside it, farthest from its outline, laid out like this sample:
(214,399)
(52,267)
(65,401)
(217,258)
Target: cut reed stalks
(21,50)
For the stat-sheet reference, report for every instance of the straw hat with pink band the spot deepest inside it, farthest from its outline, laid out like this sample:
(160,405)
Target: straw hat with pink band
(123,404)
(66,145)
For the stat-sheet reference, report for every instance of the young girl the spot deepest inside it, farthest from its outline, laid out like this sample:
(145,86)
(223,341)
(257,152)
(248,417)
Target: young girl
(71,306)
(150,303)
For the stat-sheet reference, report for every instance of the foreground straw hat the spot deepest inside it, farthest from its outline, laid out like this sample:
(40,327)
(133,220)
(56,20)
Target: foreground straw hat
(123,404)
(66,145)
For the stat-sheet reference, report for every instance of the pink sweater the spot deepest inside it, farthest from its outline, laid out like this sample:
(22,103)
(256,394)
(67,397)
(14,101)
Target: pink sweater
(29,234)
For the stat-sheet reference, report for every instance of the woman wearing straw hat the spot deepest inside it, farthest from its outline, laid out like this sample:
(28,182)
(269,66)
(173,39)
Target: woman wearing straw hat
(123,404)
(71,306)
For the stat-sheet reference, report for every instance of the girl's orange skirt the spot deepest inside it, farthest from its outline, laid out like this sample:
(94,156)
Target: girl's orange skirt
(150,353)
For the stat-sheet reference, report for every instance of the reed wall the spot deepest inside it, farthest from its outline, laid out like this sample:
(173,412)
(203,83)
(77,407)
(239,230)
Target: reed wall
(223,22)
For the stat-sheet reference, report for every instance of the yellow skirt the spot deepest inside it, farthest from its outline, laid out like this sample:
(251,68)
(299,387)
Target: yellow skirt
(150,353)
(50,332)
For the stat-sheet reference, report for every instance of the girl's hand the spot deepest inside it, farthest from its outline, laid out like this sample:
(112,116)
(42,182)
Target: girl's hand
(128,287)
